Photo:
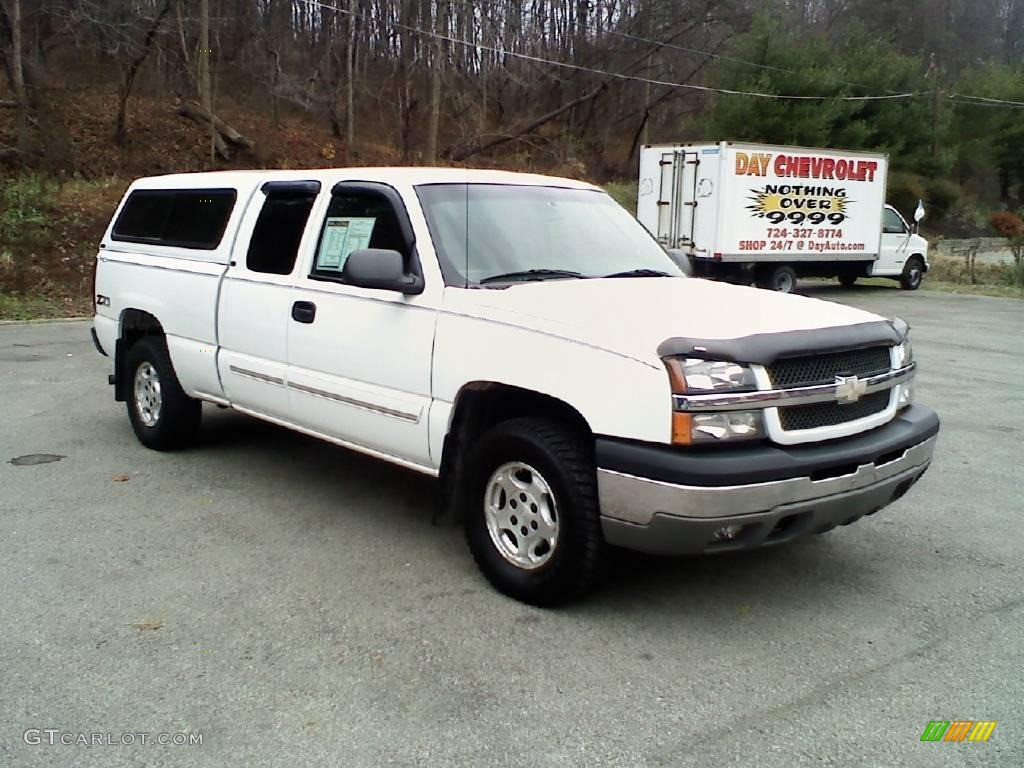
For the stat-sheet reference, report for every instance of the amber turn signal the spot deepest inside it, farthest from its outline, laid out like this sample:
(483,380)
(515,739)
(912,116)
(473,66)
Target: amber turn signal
(682,429)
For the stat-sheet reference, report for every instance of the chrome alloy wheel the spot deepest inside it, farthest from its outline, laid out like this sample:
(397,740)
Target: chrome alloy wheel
(522,520)
(148,399)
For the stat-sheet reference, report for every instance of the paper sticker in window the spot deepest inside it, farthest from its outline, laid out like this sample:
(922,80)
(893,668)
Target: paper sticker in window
(342,235)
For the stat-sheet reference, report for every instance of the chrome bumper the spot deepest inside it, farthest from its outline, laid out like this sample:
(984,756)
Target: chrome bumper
(654,516)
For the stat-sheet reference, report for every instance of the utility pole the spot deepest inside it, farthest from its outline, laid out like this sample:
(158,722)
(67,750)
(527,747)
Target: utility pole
(933,75)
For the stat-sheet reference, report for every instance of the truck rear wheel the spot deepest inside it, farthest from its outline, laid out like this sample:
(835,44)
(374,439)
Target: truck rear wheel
(913,274)
(162,415)
(847,281)
(531,512)
(781,278)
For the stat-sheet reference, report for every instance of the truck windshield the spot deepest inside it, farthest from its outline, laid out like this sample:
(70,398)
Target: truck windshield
(498,234)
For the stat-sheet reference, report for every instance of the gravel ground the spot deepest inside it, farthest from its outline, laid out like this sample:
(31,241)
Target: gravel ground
(292,604)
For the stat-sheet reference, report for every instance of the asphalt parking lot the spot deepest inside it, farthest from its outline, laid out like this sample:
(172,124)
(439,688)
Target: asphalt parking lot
(293,604)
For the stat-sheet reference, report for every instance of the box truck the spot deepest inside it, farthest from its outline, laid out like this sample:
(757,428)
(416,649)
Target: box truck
(753,213)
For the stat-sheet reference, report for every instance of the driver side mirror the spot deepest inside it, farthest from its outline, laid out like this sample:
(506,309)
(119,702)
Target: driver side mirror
(382,269)
(918,215)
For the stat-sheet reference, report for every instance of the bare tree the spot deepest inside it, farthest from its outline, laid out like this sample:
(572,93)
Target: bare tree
(205,57)
(17,75)
(440,27)
(350,62)
(132,69)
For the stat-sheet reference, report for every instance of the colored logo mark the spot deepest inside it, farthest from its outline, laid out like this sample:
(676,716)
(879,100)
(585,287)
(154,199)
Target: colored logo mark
(958,730)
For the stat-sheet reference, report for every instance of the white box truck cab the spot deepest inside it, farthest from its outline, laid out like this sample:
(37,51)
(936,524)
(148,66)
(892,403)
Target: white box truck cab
(523,339)
(752,213)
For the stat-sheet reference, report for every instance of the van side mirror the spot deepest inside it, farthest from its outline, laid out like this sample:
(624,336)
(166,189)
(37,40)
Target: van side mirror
(382,269)
(682,260)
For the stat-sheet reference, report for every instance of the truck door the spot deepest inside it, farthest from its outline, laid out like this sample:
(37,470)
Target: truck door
(894,245)
(255,298)
(360,358)
(677,198)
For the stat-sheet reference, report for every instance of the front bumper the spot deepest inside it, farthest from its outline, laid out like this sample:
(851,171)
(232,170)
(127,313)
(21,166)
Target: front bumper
(666,501)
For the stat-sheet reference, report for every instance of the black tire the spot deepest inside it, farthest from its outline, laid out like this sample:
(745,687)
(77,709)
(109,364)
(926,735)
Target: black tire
(848,281)
(176,422)
(781,278)
(913,274)
(565,463)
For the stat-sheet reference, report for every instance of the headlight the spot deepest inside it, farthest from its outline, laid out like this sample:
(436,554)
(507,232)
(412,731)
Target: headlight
(705,428)
(690,375)
(904,354)
(694,377)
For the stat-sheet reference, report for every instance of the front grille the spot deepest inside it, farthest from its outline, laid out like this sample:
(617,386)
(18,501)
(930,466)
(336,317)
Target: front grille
(823,369)
(795,417)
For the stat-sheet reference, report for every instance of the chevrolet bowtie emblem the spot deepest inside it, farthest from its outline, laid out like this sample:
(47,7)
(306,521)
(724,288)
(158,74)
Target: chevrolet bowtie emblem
(849,389)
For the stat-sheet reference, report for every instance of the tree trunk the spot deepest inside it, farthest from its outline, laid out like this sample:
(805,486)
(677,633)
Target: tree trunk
(430,156)
(205,88)
(468,150)
(350,56)
(121,130)
(198,114)
(406,103)
(21,118)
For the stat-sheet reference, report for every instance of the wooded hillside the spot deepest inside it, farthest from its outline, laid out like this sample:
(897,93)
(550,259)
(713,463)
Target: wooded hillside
(100,87)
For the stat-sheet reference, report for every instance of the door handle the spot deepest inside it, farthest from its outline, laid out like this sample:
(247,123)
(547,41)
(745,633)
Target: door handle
(304,311)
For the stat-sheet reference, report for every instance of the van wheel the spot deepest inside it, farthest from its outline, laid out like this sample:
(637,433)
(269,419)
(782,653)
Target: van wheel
(847,281)
(531,512)
(162,415)
(782,279)
(913,274)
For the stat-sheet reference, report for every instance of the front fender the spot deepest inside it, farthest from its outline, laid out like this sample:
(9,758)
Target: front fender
(616,395)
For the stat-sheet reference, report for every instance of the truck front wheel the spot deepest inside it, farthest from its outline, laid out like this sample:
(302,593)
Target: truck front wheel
(531,511)
(913,274)
(781,278)
(162,415)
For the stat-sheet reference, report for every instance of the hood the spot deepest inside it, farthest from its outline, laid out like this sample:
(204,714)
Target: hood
(632,316)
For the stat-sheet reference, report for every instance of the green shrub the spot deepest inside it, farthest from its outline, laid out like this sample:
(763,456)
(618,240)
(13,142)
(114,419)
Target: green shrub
(940,196)
(952,269)
(25,202)
(624,193)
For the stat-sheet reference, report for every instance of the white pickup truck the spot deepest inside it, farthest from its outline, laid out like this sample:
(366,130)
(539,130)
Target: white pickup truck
(521,337)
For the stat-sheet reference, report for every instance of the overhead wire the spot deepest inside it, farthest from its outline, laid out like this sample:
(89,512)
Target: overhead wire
(964,99)
(620,75)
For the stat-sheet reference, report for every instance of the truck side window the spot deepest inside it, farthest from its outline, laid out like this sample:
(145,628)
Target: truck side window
(278,232)
(892,224)
(356,220)
(187,218)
